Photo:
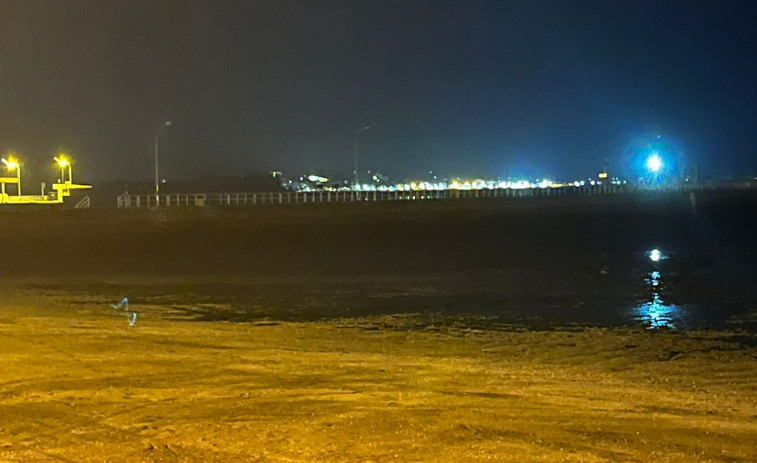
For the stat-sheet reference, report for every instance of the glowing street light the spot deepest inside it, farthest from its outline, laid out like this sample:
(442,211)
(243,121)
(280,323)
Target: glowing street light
(654,163)
(12,164)
(62,161)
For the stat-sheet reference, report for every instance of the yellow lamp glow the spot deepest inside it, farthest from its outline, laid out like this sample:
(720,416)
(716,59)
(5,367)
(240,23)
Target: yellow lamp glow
(62,161)
(11,163)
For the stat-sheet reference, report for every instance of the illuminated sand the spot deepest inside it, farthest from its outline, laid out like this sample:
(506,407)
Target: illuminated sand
(78,384)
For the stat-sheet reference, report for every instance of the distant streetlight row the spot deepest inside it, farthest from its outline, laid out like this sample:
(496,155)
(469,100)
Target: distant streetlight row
(64,162)
(654,163)
(61,160)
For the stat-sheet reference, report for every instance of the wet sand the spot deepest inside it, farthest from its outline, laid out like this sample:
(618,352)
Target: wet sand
(80,385)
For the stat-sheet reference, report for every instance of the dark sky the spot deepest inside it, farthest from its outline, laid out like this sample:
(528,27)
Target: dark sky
(466,87)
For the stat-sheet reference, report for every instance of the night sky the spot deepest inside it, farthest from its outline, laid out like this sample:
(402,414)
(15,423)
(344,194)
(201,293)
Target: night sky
(538,88)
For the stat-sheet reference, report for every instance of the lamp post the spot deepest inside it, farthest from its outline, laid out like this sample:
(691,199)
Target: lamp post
(64,162)
(157,179)
(12,164)
(357,139)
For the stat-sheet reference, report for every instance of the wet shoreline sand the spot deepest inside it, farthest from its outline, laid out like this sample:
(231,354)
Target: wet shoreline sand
(80,385)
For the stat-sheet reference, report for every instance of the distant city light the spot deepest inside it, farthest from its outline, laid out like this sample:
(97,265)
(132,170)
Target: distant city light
(655,255)
(317,179)
(313,182)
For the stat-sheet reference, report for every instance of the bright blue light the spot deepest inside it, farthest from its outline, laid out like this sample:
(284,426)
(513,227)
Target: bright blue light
(654,163)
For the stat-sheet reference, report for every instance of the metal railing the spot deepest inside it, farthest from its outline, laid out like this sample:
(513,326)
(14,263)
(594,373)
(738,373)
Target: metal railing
(310,197)
(83,203)
(349,196)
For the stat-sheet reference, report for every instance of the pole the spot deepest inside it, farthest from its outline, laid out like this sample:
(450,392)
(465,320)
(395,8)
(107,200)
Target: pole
(157,179)
(357,145)
(18,173)
(355,183)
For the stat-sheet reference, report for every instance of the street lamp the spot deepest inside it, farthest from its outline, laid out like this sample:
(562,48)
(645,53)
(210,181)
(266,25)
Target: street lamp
(157,180)
(357,138)
(62,161)
(654,163)
(12,164)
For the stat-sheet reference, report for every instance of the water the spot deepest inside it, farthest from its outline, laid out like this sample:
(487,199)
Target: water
(692,291)
(656,313)
(676,289)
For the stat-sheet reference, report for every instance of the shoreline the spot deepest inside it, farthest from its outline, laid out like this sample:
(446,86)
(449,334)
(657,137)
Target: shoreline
(81,385)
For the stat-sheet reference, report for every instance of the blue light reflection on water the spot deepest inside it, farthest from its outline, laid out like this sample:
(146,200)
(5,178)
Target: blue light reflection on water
(655,313)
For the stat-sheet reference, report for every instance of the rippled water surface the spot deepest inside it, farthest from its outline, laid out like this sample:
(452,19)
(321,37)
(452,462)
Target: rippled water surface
(646,259)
